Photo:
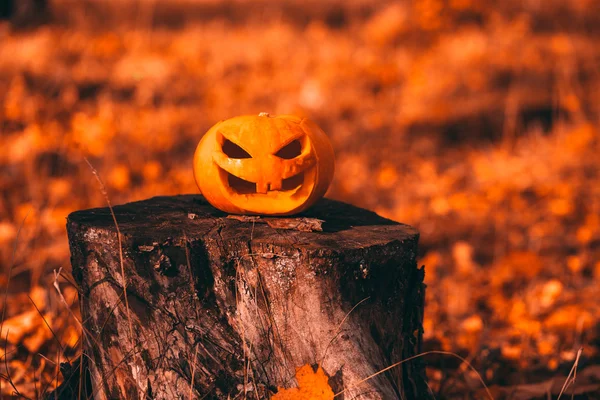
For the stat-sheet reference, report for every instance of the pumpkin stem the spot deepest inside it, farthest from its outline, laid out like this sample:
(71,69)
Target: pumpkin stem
(264,114)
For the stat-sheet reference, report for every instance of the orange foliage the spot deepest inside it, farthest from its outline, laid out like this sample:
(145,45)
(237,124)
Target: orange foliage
(475,121)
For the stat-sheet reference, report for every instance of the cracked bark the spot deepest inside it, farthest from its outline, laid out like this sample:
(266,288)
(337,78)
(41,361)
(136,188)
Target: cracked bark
(228,308)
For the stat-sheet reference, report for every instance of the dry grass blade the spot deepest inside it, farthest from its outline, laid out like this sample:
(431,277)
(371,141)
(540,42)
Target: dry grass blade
(571,381)
(8,376)
(12,264)
(112,372)
(69,279)
(193,372)
(62,350)
(14,252)
(81,378)
(339,328)
(119,239)
(448,353)
(62,298)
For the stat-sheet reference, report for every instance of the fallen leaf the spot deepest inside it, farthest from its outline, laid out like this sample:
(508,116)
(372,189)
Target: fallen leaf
(311,385)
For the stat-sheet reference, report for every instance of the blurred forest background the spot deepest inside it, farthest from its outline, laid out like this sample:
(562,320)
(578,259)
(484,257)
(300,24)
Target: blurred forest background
(475,121)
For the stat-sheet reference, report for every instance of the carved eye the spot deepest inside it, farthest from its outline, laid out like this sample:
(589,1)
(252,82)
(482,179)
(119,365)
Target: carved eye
(290,151)
(232,150)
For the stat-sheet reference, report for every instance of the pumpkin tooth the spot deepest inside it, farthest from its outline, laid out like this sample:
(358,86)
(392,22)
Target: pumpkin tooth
(276,185)
(262,187)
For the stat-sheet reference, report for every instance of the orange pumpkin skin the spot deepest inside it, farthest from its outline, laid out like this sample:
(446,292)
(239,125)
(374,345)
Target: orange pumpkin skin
(267,165)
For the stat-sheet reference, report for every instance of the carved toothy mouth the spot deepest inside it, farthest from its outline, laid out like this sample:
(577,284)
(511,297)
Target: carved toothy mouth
(244,187)
(244,194)
(239,185)
(292,183)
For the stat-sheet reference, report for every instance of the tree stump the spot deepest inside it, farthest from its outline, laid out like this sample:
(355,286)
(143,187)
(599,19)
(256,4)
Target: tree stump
(227,307)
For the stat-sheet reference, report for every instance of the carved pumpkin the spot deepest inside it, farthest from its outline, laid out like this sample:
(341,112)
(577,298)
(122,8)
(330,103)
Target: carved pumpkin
(274,165)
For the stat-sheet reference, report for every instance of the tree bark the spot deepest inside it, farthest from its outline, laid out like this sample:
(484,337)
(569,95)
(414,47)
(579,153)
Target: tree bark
(220,306)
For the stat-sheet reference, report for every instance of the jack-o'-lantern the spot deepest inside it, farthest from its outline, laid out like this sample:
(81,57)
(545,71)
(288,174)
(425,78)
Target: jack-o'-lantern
(272,165)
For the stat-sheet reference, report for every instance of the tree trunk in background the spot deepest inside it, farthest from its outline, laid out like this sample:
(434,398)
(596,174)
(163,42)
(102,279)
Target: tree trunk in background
(23,12)
(220,305)
(6,9)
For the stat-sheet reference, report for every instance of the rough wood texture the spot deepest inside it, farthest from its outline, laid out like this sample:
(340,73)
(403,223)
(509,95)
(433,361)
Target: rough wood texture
(209,295)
